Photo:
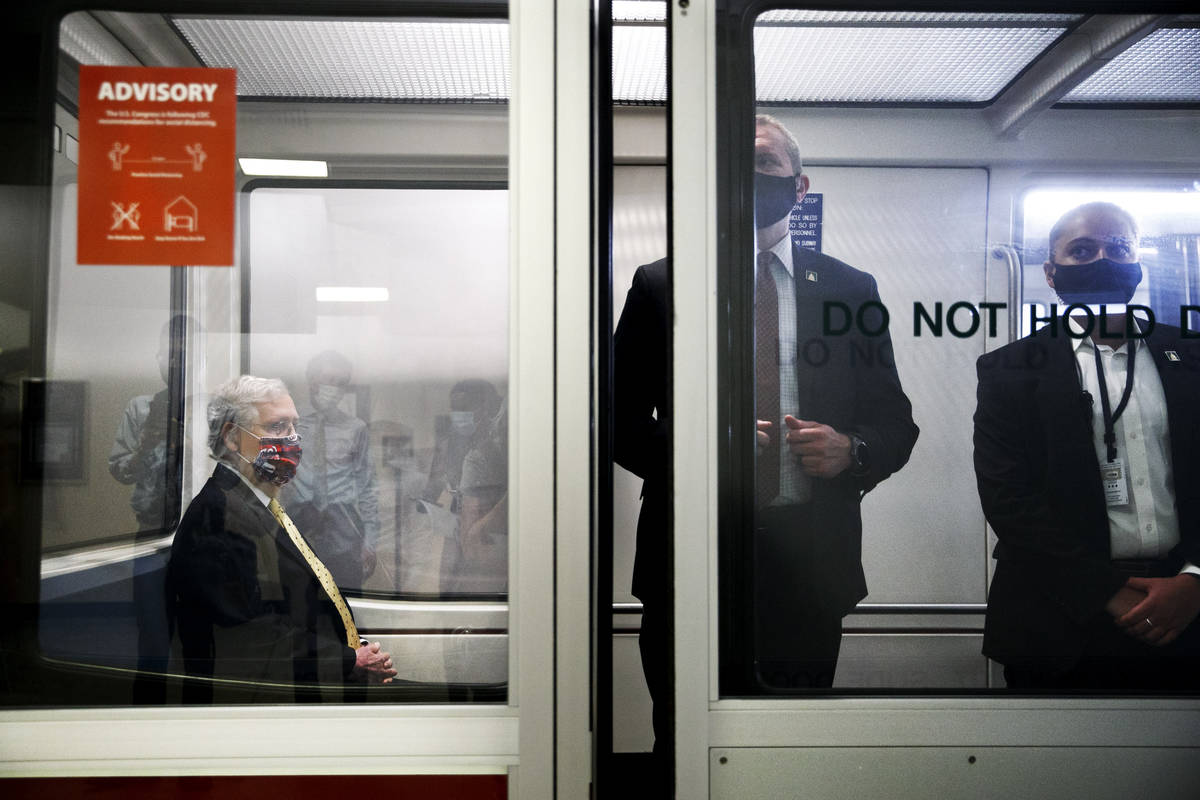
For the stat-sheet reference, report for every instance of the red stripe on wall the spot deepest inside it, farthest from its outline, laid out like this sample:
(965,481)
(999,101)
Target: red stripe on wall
(262,787)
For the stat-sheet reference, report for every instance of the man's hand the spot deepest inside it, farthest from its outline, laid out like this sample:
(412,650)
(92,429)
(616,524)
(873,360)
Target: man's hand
(1170,605)
(1124,601)
(763,433)
(371,661)
(823,452)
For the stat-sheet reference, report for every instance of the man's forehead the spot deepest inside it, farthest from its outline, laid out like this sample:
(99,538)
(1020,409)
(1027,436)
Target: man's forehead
(1098,224)
(277,408)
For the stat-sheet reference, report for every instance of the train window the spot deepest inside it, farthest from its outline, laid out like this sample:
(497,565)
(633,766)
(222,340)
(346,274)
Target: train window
(878,503)
(187,556)
(402,357)
(1168,219)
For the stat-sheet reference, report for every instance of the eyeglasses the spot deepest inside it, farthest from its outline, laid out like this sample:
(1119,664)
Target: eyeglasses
(278,428)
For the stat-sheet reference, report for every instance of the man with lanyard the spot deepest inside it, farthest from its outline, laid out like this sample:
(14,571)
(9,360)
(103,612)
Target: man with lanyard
(1085,435)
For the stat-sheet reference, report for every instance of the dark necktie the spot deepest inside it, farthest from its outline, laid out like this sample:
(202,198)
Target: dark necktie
(766,373)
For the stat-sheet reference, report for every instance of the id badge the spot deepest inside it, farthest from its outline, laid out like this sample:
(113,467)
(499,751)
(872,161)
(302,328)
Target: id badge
(1116,482)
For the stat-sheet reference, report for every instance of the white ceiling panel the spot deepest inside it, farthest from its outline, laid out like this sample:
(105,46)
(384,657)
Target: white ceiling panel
(1164,67)
(397,60)
(922,64)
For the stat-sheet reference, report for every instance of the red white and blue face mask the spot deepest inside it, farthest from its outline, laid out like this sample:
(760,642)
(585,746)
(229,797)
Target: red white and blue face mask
(277,459)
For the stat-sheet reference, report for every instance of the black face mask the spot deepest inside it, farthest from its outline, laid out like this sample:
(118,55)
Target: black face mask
(1102,281)
(774,198)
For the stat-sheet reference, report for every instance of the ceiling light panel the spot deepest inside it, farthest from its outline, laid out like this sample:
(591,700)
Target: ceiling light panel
(792,17)
(1164,67)
(639,11)
(397,60)
(892,64)
(639,64)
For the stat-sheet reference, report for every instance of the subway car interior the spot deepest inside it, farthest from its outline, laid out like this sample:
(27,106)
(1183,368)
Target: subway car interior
(479,244)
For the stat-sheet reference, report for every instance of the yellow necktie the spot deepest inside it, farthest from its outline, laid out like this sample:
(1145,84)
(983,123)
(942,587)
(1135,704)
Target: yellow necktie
(322,573)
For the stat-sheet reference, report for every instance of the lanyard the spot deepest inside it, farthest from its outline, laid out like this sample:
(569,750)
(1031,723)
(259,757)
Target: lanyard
(1110,418)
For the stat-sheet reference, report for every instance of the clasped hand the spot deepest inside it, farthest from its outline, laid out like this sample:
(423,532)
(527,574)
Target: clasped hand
(372,661)
(1156,610)
(821,450)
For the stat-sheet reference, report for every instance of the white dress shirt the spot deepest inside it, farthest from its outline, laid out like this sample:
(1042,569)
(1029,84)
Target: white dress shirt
(259,493)
(794,486)
(1147,526)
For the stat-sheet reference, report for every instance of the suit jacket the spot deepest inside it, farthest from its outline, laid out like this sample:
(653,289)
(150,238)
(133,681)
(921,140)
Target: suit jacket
(1039,483)
(848,382)
(246,605)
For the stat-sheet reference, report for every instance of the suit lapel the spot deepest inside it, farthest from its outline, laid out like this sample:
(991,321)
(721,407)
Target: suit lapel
(810,296)
(269,535)
(1180,388)
(1066,420)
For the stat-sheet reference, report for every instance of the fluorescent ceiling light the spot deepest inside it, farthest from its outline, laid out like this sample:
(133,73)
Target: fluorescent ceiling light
(283,166)
(352,294)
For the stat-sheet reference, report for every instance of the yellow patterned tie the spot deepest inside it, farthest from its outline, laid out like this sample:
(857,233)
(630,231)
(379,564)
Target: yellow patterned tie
(322,573)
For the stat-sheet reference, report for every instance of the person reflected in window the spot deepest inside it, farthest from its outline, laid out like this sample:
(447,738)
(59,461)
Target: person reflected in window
(828,429)
(483,519)
(1085,441)
(334,497)
(474,404)
(146,453)
(252,604)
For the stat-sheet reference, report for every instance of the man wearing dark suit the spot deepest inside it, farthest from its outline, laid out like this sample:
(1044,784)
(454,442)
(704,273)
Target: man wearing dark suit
(1095,585)
(832,423)
(253,607)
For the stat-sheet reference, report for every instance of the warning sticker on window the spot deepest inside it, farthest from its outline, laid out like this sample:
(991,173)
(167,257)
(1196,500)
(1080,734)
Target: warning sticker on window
(156,165)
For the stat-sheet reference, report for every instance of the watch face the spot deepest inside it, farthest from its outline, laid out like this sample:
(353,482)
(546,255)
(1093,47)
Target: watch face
(859,452)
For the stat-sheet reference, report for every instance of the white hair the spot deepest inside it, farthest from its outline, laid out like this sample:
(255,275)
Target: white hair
(237,401)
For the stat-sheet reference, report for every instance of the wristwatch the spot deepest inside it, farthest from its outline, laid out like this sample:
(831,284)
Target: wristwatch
(860,456)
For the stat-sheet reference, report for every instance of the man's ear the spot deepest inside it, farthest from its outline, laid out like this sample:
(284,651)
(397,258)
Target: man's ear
(1048,268)
(801,186)
(229,436)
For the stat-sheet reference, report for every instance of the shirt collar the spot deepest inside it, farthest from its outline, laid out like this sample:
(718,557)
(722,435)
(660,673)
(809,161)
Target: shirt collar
(259,493)
(1080,340)
(783,251)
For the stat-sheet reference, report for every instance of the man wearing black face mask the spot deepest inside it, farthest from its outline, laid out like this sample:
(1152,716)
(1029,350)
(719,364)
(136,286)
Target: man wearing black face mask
(829,428)
(254,608)
(831,425)
(1085,438)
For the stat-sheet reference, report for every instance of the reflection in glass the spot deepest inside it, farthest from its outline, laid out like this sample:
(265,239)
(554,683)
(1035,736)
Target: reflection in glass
(429,364)
(334,498)
(147,453)
(468,433)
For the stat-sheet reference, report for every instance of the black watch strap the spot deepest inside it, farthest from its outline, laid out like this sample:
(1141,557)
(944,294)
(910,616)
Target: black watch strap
(860,455)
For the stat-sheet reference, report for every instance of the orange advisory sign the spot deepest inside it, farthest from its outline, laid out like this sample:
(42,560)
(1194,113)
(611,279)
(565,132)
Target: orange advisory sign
(156,170)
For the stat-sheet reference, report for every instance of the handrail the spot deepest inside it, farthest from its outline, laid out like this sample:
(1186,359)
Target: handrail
(867,608)
(1016,287)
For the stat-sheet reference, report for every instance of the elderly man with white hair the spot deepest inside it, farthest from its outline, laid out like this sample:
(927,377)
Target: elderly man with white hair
(254,609)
